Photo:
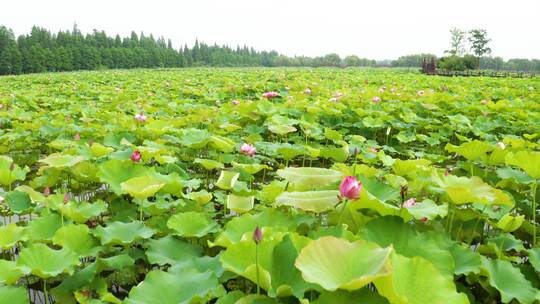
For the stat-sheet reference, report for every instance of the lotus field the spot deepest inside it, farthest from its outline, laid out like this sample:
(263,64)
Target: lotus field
(269,186)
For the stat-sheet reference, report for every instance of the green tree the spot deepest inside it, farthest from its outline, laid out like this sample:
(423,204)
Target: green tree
(457,42)
(479,43)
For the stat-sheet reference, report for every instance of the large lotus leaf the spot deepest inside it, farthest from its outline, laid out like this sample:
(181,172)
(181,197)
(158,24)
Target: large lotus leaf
(227,179)
(314,201)
(202,197)
(428,209)
(195,138)
(99,150)
(209,164)
(81,212)
(114,172)
(14,295)
(534,258)
(62,160)
(466,260)
(527,161)
(242,227)
(142,187)
(417,281)
(408,242)
(509,281)
(289,152)
(9,272)
(35,196)
(510,223)
(77,238)
(410,167)
(240,204)
(472,150)
(222,144)
(170,250)
(463,190)
(192,224)
(281,129)
(363,295)
(123,233)
(19,202)
(172,183)
(10,234)
(231,297)
(43,228)
(310,178)
(336,263)
(338,154)
(172,288)
(256,299)
(44,262)
(375,195)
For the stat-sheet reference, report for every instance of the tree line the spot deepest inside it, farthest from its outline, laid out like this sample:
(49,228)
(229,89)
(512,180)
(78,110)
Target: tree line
(43,51)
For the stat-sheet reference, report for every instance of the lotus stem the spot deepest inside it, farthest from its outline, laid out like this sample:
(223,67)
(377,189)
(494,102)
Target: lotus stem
(45,291)
(257,269)
(341,212)
(534,186)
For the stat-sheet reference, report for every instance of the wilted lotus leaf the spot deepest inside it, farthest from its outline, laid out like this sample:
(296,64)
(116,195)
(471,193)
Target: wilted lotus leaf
(44,262)
(336,263)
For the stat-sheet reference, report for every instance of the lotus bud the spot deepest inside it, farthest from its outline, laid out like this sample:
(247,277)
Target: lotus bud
(257,235)
(350,187)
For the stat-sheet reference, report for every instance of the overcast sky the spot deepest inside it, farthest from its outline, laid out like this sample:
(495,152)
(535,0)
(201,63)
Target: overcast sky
(379,29)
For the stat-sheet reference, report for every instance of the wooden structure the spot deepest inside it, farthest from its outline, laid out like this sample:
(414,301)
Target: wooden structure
(429,66)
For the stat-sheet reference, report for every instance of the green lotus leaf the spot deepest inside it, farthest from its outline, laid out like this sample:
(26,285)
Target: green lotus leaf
(201,197)
(527,161)
(123,233)
(10,172)
(338,154)
(510,223)
(222,144)
(242,227)
(192,224)
(78,239)
(171,288)
(35,196)
(209,164)
(240,204)
(62,160)
(309,178)
(363,295)
(509,281)
(9,272)
(514,175)
(10,234)
(376,195)
(83,211)
(195,138)
(417,281)
(256,299)
(463,190)
(172,183)
(19,202)
(85,171)
(251,168)
(99,150)
(408,242)
(290,152)
(13,295)
(313,201)
(428,209)
(44,262)
(281,129)
(142,187)
(115,172)
(170,250)
(472,150)
(466,260)
(534,258)
(199,264)
(336,263)
(43,228)
(227,179)
(410,167)
(231,297)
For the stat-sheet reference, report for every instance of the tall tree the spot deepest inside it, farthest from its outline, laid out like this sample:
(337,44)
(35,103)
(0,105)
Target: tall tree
(479,43)
(457,42)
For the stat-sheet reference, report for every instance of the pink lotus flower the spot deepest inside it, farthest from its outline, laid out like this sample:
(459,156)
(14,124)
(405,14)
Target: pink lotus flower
(248,150)
(140,117)
(409,203)
(257,235)
(270,94)
(47,191)
(235,102)
(136,156)
(350,187)
(77,136)
(376,99)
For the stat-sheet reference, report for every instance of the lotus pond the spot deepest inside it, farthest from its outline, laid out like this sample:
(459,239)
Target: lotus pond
(268,186)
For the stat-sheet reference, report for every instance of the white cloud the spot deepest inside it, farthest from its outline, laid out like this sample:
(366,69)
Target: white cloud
(375,29)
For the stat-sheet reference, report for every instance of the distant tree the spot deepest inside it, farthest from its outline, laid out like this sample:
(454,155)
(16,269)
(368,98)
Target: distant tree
(479,43)
(457,42)
(331,60)
(352,61)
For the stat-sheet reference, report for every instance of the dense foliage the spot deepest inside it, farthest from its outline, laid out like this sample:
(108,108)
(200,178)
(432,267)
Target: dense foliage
(269,186)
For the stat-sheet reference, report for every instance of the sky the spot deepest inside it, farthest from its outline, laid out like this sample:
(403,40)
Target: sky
(376,29)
